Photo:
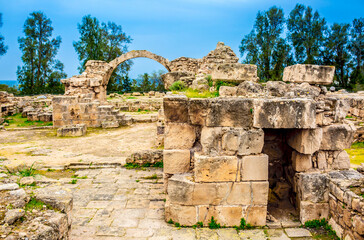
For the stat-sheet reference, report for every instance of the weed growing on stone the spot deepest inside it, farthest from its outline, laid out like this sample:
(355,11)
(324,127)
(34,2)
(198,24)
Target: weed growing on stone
(137,180)
(243,225)
(143,166)
(213,224)
(37,205)
(74,181)
(154,176)
(324,225)
(177,86)
(77,177)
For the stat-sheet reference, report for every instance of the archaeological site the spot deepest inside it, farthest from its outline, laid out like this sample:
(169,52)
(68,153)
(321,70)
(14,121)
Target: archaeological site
(236,159)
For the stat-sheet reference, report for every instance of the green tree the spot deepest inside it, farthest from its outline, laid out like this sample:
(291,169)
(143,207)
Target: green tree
(3,47)
(105,41)
(41,72)
(157,83)
(145,84)
(336,52)
(356,47)
(126,83)
(306,33)
(263,42)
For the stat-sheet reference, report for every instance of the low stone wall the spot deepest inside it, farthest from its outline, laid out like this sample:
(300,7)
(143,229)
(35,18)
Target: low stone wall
(71,110)
(346,207)
(213,160)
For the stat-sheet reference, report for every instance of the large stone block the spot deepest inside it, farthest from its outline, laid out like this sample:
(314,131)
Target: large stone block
(234,72)
(306,141)
(230,112)
(72,130)
(312,187)
(198,110)
(225,215)
(216,169)
(257,215)
(240,194)
(301,162)
(175,109)
(184,215)
(260,192)
(231,141)
(285,113)
(254,168)
(312,74)
(341,161)
(179,136)
(176,161)
(311,211)
(337,137)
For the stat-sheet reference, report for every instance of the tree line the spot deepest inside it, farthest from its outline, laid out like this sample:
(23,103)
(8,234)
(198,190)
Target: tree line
(308,40)
(41,72)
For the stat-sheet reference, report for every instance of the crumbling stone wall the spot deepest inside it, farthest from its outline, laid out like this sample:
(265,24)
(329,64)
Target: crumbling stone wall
(71,110)
(213,147)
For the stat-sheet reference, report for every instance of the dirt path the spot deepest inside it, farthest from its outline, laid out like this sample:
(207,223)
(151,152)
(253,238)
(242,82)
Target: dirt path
(99,145)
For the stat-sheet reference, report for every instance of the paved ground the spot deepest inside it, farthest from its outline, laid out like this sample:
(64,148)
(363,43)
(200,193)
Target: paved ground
(117,203)
(99,145)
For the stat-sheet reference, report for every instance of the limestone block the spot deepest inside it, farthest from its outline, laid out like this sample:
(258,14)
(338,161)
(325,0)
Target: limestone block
(285,113)
(72,130)
(216,169)
(184,215)
(176,161)
(337,137)
(301,162)
(57,196)
(231,141)
(110,124)
(171,77)
(198,110)
(182,190)
(230,112)
(240,194)
(251,142)
(358,223)
(235,72)
(321,160)
(226,91)
(311,211)
(254,168)
(312,74)
(179,136)
(260,192)
(306,141)
(341,161)
(257,215)
(312,187)
(176,109)
(225,215)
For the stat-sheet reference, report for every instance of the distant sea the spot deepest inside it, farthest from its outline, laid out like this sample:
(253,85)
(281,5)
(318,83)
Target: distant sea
(10,83)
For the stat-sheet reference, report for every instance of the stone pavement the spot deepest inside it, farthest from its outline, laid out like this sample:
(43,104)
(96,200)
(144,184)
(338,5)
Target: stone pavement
(117,203)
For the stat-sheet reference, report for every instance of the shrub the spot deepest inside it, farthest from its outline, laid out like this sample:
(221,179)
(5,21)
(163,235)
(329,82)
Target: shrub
(177,86)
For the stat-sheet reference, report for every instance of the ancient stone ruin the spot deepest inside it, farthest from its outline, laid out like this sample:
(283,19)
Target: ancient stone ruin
(257,152)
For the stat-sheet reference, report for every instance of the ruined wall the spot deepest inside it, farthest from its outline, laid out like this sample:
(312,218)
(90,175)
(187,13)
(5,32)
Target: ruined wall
(213,160)
(70,110)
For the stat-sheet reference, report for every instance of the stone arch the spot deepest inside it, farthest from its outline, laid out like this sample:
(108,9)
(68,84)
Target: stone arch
(134,54)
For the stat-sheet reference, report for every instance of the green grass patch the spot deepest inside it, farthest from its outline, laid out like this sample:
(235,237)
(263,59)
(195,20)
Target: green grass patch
(73,181)
(17,120)
(191,93)
(177,86)
(356,153)
(143,166)
(131,97)
(322,229)
(154,176)
(37,205)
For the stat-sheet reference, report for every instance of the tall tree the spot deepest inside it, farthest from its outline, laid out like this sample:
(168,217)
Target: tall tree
(356,47)
(40,72)
(3,47)
(306,33)
(262,43)
(337,53)
(105,42)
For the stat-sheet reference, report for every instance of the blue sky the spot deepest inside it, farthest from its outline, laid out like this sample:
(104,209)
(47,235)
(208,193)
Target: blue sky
(170,28)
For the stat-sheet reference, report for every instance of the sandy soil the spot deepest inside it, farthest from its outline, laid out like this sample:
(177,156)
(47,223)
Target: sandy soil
(99,145)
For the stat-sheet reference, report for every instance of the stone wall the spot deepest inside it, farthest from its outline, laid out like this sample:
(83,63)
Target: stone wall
(213,160)
(71,110)
(346,207)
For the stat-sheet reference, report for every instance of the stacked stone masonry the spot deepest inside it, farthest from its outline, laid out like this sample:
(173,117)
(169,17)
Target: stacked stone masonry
(214,163)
